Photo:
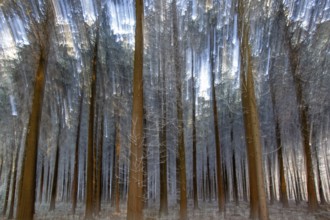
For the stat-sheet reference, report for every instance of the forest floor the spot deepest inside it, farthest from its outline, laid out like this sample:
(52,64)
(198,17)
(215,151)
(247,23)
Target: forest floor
(207,211)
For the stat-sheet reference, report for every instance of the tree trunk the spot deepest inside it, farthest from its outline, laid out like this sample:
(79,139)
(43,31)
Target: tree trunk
(293,53)
(135,188)
(74,192)
(13,191)
(220,186)
(163,209)
(270,181)
(181,144)
(194,136)
(117,164)
(41,180)
(235,182)
(90,146)
(27,186)
(4,210)
(145,164)
(99,160)
(251,113)
(55,175)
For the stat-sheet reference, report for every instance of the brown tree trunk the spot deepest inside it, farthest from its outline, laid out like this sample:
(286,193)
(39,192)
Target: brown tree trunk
(27,186)
(117,164)
(283,188)
(135,188)
(74,192)
(55,175)
(4,210)
(181,144)
(194,136)
(293,53)
(90,146)
(251,112)
(41,181)
(220,186)
(13,192)
(98,184)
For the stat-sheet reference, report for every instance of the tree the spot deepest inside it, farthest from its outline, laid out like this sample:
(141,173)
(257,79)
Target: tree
(74,192)
(293,54)
(194,135)
(90,156)
(163,209)
(135,188)
(27,185)
(220,186)
(251,119)
(181,144)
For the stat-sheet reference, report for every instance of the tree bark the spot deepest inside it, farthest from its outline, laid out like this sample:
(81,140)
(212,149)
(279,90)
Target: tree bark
(27,186)
(90,156)
(55,175)
(74,192)
(252,128)
(163,209)
(13,192)
(135,188)
(194,135)
(293,53)
(181,144)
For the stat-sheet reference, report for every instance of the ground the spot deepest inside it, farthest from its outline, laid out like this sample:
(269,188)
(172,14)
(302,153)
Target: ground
(207,211)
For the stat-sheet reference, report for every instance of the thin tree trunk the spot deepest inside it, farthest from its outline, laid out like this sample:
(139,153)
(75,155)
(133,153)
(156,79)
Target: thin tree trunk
(41,181)
(98,184)
(270,181)
(145,164)
(135,190)
(220,186)
(74,193)
(235,182)
(163,209)
(194,136)
(117,164)
(181,144)
(90,156)
(4,210)
(13,192)
(55,175)
(319,180)
(208,175)
(244,182)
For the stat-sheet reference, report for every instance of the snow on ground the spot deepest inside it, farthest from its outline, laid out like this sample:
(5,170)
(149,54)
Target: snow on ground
(207,211)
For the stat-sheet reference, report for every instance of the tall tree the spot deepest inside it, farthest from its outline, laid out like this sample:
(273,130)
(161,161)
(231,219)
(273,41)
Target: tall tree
(250,112)
(90,155)
(135,188)
(74,192)
(26,192)
(181,145)
(163,209)
(280,160)
(194,135)
(293,54)
(53,194)
(220,186)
